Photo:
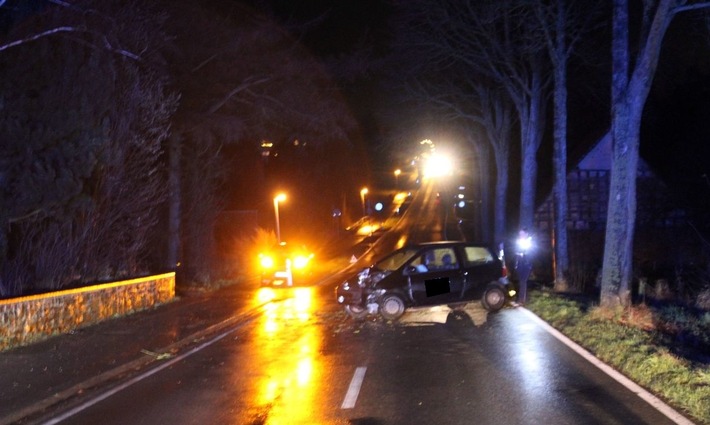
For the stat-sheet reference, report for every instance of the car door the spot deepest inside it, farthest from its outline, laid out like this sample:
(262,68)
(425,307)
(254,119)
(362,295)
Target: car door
(480,268)
(431,280)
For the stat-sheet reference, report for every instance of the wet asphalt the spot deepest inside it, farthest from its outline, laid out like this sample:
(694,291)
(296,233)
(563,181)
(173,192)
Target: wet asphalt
(47,373)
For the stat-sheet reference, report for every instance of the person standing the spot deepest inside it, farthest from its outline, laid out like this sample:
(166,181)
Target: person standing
(523,264)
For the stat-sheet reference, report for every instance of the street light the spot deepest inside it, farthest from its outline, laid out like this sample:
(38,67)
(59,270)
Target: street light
(438,165)
(278,198)
(363,192)
(397,172)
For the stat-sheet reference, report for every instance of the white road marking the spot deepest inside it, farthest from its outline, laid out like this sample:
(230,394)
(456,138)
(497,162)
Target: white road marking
(354,388)
(137,379)
(654,401)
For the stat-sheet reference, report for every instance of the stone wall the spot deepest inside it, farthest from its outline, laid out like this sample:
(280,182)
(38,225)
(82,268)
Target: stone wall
(28,319)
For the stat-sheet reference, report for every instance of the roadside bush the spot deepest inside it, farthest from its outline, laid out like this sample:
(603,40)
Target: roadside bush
(685,327)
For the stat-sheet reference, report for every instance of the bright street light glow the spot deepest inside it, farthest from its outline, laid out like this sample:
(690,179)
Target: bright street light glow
(438,165)
(363,192)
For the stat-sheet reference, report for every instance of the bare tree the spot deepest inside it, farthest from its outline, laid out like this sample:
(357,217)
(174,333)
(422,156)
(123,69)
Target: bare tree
(475,104)
(632,75)
(501,41)
(70,27)
(563,22)
(498,121)
(81,167)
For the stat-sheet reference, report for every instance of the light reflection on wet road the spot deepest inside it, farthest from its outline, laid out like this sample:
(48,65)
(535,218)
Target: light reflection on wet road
(289,382)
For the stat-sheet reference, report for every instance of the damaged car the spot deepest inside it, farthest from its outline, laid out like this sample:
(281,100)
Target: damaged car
(427,274)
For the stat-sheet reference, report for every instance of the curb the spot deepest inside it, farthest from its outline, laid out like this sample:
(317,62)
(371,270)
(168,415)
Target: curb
(651,399)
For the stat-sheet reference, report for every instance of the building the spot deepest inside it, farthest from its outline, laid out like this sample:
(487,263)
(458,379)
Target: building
(662,225)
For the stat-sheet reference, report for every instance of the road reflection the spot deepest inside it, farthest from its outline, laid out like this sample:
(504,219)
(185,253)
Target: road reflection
(288,340)
(440,314)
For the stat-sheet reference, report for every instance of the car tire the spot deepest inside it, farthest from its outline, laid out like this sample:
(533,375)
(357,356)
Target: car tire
(493,299)
(356,311)
(392,307)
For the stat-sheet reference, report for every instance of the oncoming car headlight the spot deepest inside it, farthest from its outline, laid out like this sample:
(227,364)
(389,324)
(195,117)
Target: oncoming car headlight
(301,261)
(266,261)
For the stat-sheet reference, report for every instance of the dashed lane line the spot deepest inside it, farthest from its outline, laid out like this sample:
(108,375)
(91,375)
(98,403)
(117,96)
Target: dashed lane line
(354,388)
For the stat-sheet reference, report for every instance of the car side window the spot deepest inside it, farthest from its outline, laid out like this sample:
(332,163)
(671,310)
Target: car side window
(448,259)
(421,263)
(436,259)
(395,261)
(476,255)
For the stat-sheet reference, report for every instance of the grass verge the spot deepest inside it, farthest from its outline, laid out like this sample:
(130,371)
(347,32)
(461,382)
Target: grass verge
(631,341)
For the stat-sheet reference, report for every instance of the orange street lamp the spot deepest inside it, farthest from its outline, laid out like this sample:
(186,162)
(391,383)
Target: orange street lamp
(363,192)
(397,172)
(278,198)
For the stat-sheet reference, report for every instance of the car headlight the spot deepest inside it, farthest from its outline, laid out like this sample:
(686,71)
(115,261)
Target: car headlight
(266,261)
(346,286)
(301,261)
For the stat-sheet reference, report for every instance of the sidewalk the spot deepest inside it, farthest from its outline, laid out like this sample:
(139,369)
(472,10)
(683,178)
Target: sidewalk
(46,373)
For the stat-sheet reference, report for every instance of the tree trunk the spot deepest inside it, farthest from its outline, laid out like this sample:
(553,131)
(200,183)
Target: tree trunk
(621,215)
(531,112)
(501,191)
(484,183)
(174,201)
(561,260)
(628,95)
(497,122)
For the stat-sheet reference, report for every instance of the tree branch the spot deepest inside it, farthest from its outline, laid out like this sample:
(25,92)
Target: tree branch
(248,83)
(40,35)
(696,6)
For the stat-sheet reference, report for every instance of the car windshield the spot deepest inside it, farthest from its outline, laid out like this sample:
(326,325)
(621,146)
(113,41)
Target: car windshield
(396,260)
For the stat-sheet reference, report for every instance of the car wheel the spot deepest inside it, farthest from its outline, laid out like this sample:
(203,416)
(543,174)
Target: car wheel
(356,311)
(392,307)
(493,299)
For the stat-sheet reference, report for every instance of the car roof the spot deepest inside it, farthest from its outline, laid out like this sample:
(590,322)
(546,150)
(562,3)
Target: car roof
(439,243)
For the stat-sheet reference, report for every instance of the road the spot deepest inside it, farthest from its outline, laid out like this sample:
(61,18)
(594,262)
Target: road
(297,359)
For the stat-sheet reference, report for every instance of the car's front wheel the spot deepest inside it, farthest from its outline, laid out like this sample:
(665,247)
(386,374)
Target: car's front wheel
(356,311)
(493,299)
(392,307)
